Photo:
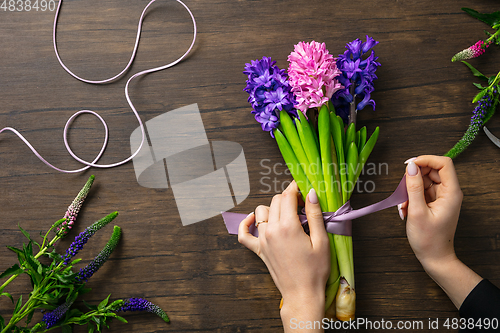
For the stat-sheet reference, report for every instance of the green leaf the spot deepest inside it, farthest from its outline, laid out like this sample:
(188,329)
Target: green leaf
(67,329)
(123,320)
(292,163)
(19,303)
(478,86)
(74,313)
(329,166)
(350,136)
(25,233)
(9,296)
(366,151)
(475,71)
(103,304)
(352,166)
(20,254)
(76,261)
(362,138)
(91,307)
(90,328)
(35,267)
(30,316)
(480,95)
(491,79)
(338,138)
(15,269)
(55,256)
(291,135)
(2,323)
(490,19)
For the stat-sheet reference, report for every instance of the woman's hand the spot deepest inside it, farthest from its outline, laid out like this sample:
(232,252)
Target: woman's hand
(299,264)
(433,208)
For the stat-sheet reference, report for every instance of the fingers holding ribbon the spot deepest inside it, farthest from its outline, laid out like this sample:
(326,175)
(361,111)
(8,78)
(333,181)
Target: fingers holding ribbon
(244,235)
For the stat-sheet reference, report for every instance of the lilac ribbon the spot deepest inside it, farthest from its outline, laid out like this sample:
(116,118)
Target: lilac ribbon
(339,222)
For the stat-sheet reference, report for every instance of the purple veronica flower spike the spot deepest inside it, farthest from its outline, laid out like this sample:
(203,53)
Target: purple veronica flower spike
(87,272)
(85,235)
(357,77)
(269,92)
(52,318)
(485,108)
(140,304)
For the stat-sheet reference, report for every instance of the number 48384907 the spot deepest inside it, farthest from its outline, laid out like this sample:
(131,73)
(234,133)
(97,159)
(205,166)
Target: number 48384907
(27,5)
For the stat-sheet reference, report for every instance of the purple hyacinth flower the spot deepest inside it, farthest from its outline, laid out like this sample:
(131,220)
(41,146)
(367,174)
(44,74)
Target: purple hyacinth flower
(269,92)
(370,42)
(87,272)
(85,235)
(141,304)
(357,77)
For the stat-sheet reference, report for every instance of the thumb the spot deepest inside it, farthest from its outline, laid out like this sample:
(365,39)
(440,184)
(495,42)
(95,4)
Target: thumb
(415,188)
(317,230)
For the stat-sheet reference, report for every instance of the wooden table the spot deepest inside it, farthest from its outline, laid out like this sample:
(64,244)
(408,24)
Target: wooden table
(202,277)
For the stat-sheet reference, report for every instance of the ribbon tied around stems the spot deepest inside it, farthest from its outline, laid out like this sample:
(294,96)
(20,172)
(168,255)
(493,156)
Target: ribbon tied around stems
(338,222)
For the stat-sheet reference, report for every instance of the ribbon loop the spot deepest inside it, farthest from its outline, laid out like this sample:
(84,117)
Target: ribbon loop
(335,223)
(339,222)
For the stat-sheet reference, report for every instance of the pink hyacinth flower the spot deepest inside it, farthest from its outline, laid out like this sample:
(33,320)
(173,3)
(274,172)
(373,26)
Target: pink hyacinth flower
(472,52)
(312,72)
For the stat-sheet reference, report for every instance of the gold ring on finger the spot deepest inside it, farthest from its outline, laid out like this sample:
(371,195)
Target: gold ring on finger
(259,222)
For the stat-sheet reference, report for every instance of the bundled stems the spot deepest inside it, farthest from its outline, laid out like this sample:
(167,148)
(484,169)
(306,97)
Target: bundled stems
(330,161)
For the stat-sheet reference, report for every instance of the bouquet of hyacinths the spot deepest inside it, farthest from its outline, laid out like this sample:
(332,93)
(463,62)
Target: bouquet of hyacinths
(56,287)
(311,112)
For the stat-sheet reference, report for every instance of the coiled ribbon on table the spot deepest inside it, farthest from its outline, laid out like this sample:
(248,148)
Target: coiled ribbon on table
(106,81)
(339,222)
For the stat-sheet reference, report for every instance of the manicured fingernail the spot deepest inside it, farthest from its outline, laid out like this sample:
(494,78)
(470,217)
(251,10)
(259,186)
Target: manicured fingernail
(410,160)
(401,213)
(250,214)
(412,169)
(313,197)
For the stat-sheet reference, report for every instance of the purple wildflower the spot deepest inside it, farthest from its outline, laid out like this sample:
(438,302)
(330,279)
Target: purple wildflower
(357,77)
(74,209)
(87,272)
(472,52)
(85,235)
(269,92)
(140,304)
(52,318)
(484,109)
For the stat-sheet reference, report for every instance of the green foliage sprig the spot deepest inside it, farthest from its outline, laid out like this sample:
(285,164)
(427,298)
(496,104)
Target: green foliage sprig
(488,97)
(56,287)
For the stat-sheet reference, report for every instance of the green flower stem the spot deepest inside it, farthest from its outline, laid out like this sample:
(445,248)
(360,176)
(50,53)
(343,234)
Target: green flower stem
(495,35)
(338,139)
(38,255)
(311,149)
(352,168)
(332,193)
(327,164)
(292,163)
(290,133)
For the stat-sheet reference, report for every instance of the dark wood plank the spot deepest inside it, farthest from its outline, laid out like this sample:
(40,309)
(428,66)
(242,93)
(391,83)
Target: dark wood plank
(201,276)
